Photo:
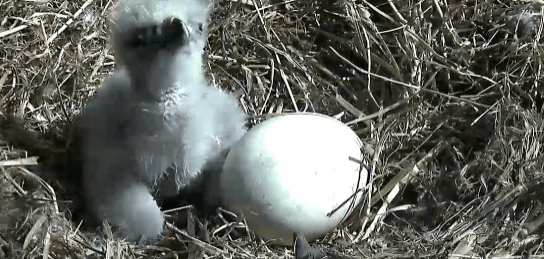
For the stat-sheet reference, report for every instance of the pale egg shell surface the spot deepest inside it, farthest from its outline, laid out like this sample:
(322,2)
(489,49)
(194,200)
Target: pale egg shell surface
(294,173)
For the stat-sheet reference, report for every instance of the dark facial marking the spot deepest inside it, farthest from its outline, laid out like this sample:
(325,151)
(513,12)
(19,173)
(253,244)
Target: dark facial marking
(169,34)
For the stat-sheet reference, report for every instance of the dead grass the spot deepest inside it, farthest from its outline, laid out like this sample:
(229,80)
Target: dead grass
(446,95)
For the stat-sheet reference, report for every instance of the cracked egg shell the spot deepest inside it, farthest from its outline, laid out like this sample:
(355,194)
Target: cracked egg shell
(294,173)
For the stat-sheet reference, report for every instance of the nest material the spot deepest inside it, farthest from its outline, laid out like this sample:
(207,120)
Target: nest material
(446,95)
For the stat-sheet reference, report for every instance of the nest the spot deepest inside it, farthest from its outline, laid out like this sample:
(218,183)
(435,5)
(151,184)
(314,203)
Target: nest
(445,95)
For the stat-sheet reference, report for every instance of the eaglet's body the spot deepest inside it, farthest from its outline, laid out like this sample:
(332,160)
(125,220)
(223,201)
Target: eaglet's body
(154,113)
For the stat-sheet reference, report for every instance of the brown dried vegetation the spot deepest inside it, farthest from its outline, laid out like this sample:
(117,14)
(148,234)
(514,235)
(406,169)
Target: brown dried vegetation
(445,94)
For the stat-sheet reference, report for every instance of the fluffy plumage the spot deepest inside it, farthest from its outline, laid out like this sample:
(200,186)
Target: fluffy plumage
(155,112)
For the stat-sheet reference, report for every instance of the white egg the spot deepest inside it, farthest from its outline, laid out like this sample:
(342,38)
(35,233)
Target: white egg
(297,172)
